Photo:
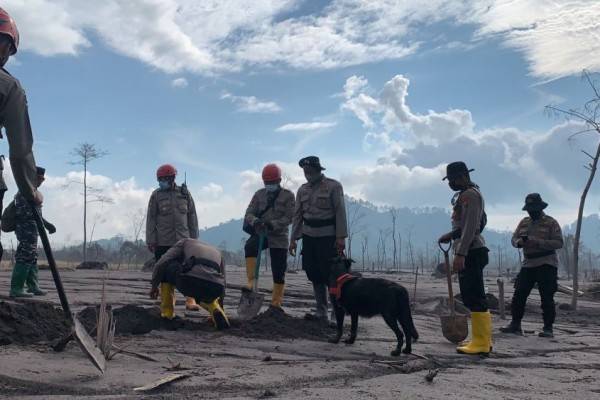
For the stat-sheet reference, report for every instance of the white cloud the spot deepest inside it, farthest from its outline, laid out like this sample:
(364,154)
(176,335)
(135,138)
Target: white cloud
(179,83)
(305,126)
(413,150)
(251,104)
(558,38)
(212,36)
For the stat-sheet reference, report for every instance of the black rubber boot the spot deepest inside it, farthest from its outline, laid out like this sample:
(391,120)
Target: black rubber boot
(513,327)
(547,332)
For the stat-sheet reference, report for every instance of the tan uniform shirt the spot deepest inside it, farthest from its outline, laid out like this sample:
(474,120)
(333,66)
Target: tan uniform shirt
(322,201)
(466,217)
(171,217)
(280,215)
(182,251)
(546,233)
(14,117)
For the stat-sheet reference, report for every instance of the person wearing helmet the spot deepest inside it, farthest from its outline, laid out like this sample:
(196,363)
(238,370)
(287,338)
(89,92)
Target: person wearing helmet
(14,115)
(171,217)
(269,213)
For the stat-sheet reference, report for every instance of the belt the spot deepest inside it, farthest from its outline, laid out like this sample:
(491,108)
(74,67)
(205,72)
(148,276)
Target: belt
(319,223)
(541,254)
(193,261)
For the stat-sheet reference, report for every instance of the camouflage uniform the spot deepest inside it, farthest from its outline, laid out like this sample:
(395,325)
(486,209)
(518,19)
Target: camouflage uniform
(26,232)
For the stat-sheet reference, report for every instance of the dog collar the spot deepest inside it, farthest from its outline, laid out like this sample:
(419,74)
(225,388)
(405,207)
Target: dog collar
(340,282)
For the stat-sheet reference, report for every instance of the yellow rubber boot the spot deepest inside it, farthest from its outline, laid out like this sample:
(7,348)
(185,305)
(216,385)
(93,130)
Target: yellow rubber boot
(190,304)
(167,300)
(481,335)
(219,318)
(277,296)
(250,270)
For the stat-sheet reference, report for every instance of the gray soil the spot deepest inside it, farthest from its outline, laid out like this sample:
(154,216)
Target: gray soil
(283,356)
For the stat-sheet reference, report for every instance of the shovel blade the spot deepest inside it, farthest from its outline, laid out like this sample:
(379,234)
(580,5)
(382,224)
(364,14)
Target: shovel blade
(455,327)
(250,304)
(88,346)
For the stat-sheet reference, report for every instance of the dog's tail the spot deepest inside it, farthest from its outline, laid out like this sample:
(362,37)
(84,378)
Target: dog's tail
(404,303)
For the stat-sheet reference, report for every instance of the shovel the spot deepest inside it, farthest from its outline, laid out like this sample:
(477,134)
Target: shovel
(454,327)
(251,301)
(78,332)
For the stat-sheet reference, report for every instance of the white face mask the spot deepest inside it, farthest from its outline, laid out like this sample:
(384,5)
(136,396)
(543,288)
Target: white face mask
(272,187)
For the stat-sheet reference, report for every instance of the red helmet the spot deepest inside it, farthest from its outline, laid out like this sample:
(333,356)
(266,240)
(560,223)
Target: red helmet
(165,171)
(271,173)
(8,27)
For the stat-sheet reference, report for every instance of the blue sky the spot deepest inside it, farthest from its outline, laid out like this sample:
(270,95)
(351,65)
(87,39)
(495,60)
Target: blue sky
(273,89)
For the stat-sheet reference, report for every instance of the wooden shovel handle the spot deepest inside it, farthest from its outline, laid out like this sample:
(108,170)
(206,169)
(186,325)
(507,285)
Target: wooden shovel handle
(446,252)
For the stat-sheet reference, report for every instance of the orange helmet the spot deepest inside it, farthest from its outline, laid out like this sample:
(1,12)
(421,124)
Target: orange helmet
(165,170)
(8,27)
(271,173)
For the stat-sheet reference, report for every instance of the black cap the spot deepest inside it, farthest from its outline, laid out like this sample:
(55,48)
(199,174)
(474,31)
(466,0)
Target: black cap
(311,161)
(40,171)
(534,202)
(456,169)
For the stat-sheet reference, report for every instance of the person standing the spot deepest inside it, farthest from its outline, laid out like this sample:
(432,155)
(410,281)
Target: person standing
(470,254)
(14,117)
(25,270)
(320,221)
(270,213)
(540,236)
(171,217)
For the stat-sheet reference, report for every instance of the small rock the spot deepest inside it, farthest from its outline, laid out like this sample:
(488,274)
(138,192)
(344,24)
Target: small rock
(267,393)
(565,307)
(268,358)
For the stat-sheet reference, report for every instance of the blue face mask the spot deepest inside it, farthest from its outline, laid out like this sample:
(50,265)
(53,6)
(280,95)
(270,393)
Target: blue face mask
(272,187)
(164,185)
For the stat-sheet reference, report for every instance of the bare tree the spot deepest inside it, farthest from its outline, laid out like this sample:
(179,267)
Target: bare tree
(85,153)
(590,117)
(355,215)
(364,244)
(394,215)
(138,220)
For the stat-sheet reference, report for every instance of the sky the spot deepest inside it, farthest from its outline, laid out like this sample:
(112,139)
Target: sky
(385,92)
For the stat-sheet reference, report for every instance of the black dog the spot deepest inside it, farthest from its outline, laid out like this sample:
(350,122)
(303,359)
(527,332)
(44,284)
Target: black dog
(367,297)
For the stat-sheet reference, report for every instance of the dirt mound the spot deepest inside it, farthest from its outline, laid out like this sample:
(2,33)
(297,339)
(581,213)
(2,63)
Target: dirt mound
(593,291)
(96,265)
(136,320)
(275,324)
(30,323)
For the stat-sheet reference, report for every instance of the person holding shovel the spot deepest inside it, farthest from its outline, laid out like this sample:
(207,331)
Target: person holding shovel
(197,270)
(320,221)
(14,116)
(269,213)
(171,217)
(470,254)
(540,236)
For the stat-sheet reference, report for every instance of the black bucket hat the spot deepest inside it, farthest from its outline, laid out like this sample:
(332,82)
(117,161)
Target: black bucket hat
(534,202)
(455,169)
(40,171)
(311,161)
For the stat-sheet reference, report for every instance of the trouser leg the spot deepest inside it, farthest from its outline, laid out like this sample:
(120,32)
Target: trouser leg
(471,282)
(523,286)
(278,268)
(547,281)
